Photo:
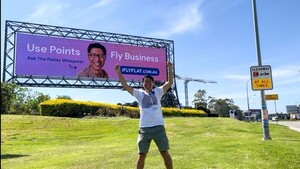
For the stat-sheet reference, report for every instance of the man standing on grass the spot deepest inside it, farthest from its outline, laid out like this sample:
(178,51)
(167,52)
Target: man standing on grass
(151,118)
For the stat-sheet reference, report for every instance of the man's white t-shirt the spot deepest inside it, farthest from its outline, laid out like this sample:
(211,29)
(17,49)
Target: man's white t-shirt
(150,106)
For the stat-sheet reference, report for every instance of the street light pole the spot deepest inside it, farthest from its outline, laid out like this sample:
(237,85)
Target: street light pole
(248,106)
(265,121)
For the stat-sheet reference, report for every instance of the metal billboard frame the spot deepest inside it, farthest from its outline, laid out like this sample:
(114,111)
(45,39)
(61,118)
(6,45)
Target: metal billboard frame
(14,27)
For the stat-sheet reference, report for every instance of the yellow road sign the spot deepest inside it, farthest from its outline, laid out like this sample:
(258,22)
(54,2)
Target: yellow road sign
(261,77)
(262,84)
(271,96)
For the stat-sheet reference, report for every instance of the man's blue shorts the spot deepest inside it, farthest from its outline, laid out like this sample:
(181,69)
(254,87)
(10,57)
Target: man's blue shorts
(156,133)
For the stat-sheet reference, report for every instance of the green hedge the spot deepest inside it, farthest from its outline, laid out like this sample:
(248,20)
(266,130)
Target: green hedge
(73,108)
(174,112)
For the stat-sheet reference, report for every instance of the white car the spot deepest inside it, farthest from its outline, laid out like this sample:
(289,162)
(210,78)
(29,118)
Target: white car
(275,118)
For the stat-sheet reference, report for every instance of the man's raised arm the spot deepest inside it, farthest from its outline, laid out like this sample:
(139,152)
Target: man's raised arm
(169,83)
(122,80)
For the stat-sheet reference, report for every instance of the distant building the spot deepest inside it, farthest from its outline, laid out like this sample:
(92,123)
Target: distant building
(252,115)
(293,111)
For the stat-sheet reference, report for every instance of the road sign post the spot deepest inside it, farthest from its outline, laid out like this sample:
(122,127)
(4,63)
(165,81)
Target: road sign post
(261,79)
(265,122)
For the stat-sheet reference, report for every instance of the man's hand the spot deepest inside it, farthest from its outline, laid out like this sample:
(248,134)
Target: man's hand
(170,65)
(117,67)
(169,83)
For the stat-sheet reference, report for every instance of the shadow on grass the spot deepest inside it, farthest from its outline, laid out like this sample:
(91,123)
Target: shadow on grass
(244,131)
(7,156)
(289,140)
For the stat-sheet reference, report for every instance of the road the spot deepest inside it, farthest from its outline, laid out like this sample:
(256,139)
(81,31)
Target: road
(294,125)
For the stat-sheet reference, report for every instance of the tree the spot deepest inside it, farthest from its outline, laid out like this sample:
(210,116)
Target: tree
(169,100)
(135,104)
(222,106)
(200,100)
(18,100)
(8,95)
(64,97)
(28,101)
(34,104)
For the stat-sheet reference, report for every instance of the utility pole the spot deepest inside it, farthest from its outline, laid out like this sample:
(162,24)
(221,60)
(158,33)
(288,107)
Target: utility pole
(265,121)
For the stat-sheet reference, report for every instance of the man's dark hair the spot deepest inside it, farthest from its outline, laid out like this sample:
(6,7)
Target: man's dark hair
(149,77)
(96,45)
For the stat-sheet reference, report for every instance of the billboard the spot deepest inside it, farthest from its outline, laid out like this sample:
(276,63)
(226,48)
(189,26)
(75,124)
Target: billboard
(40,55)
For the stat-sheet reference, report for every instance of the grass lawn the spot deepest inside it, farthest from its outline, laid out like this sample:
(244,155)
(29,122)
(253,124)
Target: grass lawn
(30,142)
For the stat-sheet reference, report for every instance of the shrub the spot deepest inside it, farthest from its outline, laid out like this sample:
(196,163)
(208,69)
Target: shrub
(73,108)
(67,108)
(173,112)
(132,112)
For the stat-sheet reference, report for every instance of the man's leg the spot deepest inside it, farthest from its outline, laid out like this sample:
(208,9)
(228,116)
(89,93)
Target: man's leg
(162,143)
(167,159)
(141,160)
(143,144)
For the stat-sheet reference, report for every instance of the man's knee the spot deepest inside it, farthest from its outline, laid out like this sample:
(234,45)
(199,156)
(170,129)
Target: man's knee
(142,155)
(165,154)
(141,160)
(167,159)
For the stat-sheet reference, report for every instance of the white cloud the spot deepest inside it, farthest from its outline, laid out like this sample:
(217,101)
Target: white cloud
(102,3)
(50,12)
(188,19)
(289,81)
(286,74)
(286,71)
(181,19)
(236,77)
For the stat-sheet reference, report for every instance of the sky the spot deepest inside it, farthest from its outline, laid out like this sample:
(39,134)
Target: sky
(213,40)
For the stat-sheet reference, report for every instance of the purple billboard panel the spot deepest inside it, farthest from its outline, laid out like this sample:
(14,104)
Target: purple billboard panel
(56,56)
